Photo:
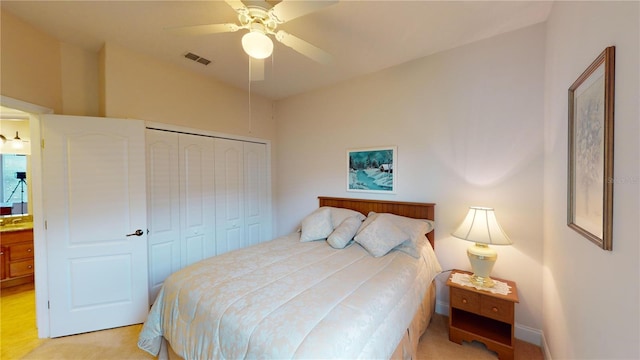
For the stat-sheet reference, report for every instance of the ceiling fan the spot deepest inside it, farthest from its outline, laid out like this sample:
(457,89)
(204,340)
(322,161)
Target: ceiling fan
(262,22)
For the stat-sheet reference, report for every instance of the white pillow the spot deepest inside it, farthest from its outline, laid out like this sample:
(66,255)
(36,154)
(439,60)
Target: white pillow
(317,225)
(341,236)
(414,228)
(338,215)
(380,236)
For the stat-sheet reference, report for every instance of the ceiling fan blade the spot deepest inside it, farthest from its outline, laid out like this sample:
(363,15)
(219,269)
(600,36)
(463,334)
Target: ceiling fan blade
(203,29)
(303,47)
(236,5)
(289,10)
(256,71)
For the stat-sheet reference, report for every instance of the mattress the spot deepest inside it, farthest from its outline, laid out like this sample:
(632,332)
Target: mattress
(290,299)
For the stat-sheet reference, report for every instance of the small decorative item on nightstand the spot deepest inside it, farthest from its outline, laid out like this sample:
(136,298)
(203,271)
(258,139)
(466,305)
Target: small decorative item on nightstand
(486,316)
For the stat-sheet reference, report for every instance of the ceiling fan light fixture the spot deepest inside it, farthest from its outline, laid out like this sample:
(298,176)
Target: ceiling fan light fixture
(257,44)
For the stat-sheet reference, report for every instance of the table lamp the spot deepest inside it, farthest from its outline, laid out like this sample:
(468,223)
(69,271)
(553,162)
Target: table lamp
(481,227)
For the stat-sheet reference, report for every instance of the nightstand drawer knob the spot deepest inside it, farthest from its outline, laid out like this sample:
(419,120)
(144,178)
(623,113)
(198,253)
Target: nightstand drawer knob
(494,309)
(464,301)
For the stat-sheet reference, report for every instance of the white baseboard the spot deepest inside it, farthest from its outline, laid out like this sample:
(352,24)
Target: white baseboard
(528,334)
(522,332)
(442,308)
(545,349)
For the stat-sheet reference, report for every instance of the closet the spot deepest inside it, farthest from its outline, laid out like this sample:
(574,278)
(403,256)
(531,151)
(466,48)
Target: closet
(206,196)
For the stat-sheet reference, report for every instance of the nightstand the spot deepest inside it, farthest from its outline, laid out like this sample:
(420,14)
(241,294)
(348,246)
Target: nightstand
(482,316)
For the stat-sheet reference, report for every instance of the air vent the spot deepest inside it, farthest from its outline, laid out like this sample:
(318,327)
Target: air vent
(204,61)
(197,58)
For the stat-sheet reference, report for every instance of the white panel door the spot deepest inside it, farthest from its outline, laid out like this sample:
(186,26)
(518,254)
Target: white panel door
(257,219)
(197,194)
(94,191)
(229,184)
(163,199)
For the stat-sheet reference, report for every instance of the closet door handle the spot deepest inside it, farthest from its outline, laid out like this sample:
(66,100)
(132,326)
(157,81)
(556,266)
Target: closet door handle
(138,232)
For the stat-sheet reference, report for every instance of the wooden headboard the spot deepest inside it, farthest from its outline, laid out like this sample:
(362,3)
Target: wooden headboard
(408,209)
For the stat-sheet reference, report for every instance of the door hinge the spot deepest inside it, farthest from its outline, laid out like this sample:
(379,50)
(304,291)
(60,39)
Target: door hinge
(45,224)
(48,305)
(42,141)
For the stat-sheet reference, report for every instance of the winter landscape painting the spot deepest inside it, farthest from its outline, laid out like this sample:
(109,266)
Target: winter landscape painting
(372,169)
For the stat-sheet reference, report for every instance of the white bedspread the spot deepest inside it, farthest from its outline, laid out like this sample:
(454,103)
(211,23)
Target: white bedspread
(289,299)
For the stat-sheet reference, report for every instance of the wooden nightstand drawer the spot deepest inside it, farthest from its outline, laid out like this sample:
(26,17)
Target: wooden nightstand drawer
(498,309)
(24,251)
(20,268)
(479,315)
(465,300)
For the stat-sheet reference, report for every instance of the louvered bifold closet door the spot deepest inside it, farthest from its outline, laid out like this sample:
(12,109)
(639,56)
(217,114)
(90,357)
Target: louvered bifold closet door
(197,198)
(163,207)
(229,185)
(256,196)
(206,196)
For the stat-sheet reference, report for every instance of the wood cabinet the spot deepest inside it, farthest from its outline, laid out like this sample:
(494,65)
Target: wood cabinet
(17,257)
(483,316)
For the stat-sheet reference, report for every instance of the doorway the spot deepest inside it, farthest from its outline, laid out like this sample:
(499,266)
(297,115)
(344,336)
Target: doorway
(34,180)
(18,318)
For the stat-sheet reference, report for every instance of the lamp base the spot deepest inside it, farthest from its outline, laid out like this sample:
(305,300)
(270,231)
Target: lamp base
(482,259)
(481,281)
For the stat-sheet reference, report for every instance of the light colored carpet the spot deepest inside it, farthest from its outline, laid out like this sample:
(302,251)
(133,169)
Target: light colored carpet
(435,344)
(121,343)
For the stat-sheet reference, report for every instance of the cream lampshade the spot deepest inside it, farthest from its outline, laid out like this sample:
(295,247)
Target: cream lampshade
(481,227)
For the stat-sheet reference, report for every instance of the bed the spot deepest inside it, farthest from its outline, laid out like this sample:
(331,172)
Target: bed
(309,294)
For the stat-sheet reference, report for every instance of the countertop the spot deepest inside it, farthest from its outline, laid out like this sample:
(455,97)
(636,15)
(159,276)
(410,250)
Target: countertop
(16,227)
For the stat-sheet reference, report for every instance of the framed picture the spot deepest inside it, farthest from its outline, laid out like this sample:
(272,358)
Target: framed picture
(590,175)
(372,169)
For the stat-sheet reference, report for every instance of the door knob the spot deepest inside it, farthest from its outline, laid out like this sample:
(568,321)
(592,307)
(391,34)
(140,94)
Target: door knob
(138,232)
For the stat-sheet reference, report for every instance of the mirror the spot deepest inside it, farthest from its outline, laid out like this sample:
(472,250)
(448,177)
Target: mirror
(14,191)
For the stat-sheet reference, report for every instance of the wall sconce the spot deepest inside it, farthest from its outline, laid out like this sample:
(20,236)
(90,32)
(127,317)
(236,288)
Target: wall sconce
(17,143)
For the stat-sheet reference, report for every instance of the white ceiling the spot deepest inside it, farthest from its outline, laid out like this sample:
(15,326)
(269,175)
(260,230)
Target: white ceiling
(362,36)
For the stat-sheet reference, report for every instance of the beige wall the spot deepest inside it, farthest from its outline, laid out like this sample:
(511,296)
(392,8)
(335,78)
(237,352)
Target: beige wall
(136,86)
(592,296)
(29,64)
(468,124)
(79,70)
(116,82)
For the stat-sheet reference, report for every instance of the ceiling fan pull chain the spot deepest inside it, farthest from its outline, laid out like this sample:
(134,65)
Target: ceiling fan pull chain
(250,114)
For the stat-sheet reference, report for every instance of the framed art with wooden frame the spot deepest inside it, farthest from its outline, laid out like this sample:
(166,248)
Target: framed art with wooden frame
(590,173)
(372,169)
